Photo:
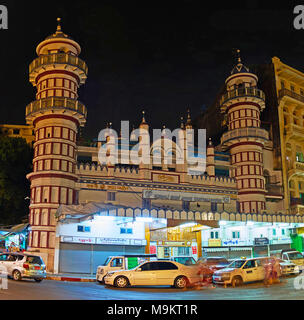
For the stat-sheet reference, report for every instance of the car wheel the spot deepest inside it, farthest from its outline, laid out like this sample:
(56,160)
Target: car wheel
(236,281)
(181,282)
(38,280)
(17,275)
(121,282)
(101,281)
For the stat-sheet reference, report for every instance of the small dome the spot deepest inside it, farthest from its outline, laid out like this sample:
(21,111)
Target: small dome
(59,33)
(240,68)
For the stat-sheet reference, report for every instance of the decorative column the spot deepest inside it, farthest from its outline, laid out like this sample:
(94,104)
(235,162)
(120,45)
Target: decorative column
(243,103)
(56,116)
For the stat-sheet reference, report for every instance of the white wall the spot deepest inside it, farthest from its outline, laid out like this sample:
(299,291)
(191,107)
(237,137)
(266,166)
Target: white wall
(103,228)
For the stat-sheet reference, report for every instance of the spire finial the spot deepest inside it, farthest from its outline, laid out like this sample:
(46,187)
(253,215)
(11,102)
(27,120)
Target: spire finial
(189,121)
(238,53)
(182,123)
(59,25)
(143,119)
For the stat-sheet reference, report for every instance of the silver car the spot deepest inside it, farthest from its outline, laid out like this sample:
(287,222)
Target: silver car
(20,265)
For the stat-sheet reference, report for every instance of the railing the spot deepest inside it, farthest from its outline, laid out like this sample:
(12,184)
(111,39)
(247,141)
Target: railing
(56,103)
(295,129)
(299,166)
(61,58)
(274,190)
(242,92)
(245,132)
(286,92)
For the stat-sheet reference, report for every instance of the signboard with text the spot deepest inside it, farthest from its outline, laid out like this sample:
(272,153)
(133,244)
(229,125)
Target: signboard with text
(184,196)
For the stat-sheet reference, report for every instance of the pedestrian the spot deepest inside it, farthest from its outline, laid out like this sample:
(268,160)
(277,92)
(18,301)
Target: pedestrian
(268,272)
(276,270)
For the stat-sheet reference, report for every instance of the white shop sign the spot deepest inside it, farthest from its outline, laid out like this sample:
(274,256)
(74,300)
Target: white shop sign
(184,196)
(115,241)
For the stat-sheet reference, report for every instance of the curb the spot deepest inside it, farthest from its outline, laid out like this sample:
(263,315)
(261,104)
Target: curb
(70,279)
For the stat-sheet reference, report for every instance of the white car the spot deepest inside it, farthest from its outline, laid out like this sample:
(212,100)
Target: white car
(155,273)
(21,265)
(241,271)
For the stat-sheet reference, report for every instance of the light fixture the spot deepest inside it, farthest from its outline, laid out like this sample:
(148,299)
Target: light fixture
(188,225)
(250,223)
(144,219)
(222,223)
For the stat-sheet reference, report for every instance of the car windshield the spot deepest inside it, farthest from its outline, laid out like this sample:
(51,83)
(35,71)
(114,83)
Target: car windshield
(107,261)
(185,260)
(237,264)
(295,255)
(34,260)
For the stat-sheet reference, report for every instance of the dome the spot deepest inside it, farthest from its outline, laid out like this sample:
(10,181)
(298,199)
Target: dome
(240,68)
(59,33)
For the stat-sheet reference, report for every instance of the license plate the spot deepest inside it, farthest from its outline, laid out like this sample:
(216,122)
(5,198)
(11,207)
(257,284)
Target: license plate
(37,268)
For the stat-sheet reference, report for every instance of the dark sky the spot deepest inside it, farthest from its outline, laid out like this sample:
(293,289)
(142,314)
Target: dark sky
(161,56)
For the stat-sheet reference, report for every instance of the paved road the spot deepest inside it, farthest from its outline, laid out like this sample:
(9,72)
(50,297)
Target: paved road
(56,290)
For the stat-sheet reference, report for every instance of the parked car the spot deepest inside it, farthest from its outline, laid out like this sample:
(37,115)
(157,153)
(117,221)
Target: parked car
(124,262)
(241,271)
(287,267)
(293,256)
(214,263)
(154,273)
(20,265)
(187,261)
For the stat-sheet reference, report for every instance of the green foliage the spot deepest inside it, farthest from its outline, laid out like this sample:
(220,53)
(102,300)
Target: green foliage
(15,163)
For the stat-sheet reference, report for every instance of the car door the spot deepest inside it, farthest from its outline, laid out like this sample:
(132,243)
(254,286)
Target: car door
(260,272)
(10,263)
(250,271)
(145,275)
(166,273)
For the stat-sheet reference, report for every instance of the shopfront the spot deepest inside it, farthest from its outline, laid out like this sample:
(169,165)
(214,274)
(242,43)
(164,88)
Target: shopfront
(14,238)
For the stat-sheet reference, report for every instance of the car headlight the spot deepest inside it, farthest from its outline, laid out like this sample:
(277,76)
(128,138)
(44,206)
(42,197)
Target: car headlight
(110,275)
(100,270)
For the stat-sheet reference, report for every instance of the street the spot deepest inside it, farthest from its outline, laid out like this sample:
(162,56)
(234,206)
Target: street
(56,290)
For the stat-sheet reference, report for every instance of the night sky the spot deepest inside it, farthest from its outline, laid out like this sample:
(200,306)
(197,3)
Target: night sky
(160,56)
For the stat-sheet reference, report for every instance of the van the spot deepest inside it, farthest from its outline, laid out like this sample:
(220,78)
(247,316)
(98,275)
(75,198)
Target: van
(123,262)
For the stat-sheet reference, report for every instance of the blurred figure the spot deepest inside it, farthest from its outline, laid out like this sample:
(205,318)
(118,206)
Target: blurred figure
(205,273)
(268,272)
(276,270)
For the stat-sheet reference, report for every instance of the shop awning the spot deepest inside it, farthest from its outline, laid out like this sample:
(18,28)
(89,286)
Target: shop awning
(86,211)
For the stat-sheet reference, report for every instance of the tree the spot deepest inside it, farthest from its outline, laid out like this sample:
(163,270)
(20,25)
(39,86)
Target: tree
(15,163)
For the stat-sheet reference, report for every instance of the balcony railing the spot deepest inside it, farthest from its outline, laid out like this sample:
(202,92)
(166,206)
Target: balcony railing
(242,92)
(292,94)
(294,129)
(56,103)
(274,190)
(299,166)
(244,133)
(60,58)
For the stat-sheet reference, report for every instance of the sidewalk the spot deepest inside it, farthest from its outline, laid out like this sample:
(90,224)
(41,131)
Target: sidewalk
(71,277)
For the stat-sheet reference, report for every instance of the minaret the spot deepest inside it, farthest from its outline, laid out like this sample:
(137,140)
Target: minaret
(56,115)
(242,103)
